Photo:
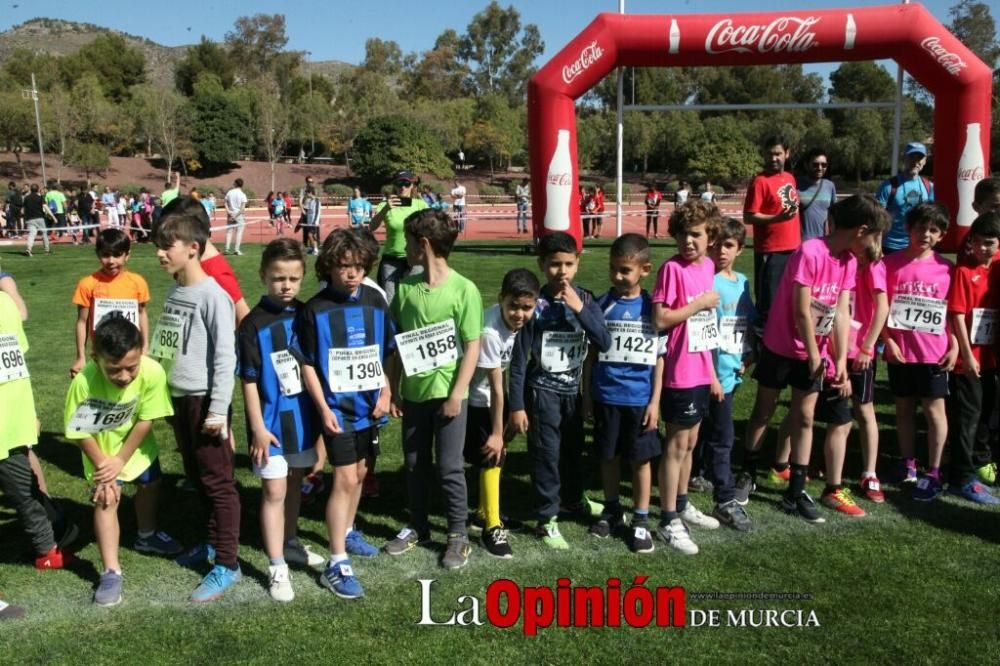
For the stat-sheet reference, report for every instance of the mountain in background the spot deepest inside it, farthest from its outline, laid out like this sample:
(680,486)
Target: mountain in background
(62,38)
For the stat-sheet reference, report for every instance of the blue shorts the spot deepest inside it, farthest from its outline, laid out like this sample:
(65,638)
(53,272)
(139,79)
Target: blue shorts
(151,474)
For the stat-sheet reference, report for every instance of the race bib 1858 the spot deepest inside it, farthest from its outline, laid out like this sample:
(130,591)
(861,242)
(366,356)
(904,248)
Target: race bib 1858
(563,351)
(631,342)
(428,347)
(918,313)
(12,363)
(355,369)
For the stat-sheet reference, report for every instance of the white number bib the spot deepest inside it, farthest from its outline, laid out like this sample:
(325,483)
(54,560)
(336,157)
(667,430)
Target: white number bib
(94,415)
(703,331)
(127,308)
(918,313)
(355,369)
(984,326)
(12,363)
(823,316)
(563,351)
(288,371)
(733,332)
(631,342)
(167,336)
(428,347)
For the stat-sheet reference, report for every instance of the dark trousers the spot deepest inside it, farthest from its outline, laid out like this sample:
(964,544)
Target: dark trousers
(767,271)
(208,460)
(652,219)
(715,439)
(970,403)
(391,271)
(431,441)
(34,509)
(555,446)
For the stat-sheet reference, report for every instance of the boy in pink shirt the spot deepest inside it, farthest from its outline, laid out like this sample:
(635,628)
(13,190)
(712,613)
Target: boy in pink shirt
(920,347)
(684,304)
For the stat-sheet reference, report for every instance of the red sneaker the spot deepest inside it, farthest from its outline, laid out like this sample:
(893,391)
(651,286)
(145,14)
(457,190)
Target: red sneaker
(841,500)
(54,559)
(872,489)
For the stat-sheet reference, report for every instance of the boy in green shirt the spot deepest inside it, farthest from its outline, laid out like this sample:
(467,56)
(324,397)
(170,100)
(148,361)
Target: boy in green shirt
(110,409)
(440,314)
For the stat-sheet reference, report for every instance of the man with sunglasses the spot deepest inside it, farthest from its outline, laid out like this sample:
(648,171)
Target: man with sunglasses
(393,212)
(816,194)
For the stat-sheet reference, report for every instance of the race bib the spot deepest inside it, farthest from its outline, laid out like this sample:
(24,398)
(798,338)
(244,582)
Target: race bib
(94,415)
(127,308)
(823,316)
(563,351)
(983,330)
(732,334)
(631,342)
(703,331)
(12,363)
(428,347)
(288,371)
(918,313)
(356,369)
(167,336)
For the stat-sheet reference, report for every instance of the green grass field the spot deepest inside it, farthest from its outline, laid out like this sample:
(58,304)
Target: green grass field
(908,583)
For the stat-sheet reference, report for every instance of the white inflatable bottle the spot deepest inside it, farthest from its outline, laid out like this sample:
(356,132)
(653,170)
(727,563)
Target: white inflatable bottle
(559,186)
(850,33)
(971,170)
(675,37)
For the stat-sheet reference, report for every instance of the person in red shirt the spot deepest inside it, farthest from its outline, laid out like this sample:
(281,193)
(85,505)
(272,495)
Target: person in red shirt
(653,200)
(974,310)
(772,207)
(587,206)
(598,219)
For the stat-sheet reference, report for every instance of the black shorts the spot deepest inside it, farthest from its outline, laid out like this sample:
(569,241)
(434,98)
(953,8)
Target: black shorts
(863,385)
(618,431)
(918,380)
(349,448)
(684,407)
(831,408)
(775,371)
(478,428)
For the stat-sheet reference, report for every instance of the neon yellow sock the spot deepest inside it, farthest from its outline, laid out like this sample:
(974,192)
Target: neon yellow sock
(489,496)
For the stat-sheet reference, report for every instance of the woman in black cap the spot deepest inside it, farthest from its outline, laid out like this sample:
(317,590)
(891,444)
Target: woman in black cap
(393,267)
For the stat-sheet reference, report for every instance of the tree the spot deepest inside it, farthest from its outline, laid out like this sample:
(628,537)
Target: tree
(361,95)
(501,51)
(255,42)
(391,143)
(22,63)
(206,56)
(88,157)
(439,75)
(722,152)
(222,126)
(116,65)
(973,24)
(273,123)
(17,126)
(498,133)
(164,117)
(383,57)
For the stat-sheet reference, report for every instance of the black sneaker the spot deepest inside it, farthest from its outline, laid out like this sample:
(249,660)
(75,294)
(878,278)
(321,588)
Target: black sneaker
(699,484)
(477,523)
(642,538)
(745,485)
(496,541)
(456,553)
(804,506)
(732,514)
(607,525)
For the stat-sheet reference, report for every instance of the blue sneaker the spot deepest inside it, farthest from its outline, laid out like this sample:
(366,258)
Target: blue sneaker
(200,554)
(974,492)
(357,546)
(215,584)
(928,487)
(339,579)
(160,543)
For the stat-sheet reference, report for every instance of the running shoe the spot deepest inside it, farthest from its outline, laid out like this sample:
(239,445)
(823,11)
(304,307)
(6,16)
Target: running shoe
(358,546)
(280,586)
(802,506)
(496,541)
(675,534)
(927,488)
(974,492)
(779,477)
(732,514)
(56,558)
(691,515)
(456,552)
(744,487)
(339,578)
(215,584)
(841,500)
(406,540)
(988,473)
(159,543)
(608,524)
(203,552)
(551,537)
(699,484)
(295,553)
(642,539)
(109,589)
(872,489)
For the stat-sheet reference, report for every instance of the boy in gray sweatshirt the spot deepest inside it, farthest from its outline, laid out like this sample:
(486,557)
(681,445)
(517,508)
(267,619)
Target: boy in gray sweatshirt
(195,341)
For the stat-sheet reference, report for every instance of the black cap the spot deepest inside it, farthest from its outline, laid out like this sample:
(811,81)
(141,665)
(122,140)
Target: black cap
(404,176)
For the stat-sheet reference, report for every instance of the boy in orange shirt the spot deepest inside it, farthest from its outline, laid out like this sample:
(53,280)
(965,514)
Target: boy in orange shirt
(111,291)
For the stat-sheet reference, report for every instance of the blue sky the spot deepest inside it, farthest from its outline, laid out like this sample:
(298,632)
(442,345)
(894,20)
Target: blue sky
(337,30)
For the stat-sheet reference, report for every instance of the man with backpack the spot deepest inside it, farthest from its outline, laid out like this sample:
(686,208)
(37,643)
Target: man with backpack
(901,193)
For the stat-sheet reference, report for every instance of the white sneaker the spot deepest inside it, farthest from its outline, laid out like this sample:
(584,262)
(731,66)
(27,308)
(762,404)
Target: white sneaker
(281,583)
(676,536)
(692,516)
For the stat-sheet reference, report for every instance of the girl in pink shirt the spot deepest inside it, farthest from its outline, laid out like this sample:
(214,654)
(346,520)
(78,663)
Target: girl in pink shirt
(920,347)
(684,303)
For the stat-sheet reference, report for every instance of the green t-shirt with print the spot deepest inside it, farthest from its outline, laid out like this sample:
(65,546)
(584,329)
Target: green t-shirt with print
(59,198)
(395,235)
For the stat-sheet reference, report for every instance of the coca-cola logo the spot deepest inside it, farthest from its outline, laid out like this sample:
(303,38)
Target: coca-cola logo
(952,62)
(974,174)
(588,56)
(560,179)
(785,33)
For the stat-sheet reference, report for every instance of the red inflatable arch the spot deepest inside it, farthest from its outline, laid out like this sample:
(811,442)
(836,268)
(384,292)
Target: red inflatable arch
(961,84)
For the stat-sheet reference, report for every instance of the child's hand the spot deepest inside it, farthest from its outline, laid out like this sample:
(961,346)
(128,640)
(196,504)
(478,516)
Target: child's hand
(395,408)
(651,417)
(572,300)
(330,423)
(108,469)
(892,352)
(451,407)
(971,365)
(215,424)
(383,404)
(841,381)
(715,390)
(493,449)
(862,361)
(107,495)
(708,301)
(260,446)
(74,369)
(517,423)
(947,362)
(816,367)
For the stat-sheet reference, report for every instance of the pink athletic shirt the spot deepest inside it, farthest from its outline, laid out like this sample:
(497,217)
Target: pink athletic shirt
(929,277)
(678,283)
(871,279)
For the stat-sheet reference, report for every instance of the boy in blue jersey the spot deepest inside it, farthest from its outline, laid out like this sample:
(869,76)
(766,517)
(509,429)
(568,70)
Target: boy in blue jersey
(346,335)
(545,372)
(625,388)
(359,210)
(736,315)
(280,418)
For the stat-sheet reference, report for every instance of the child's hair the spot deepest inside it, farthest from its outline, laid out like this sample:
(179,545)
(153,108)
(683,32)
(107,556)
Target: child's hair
(182,227)
(987,188)
(692,213)
(436,226)
(365,234)
(731,228)
(186,205)
(282,249)
(557,241)
(872,253)
(519,282)
(860,209)
(116,336)
(337,245)
(986,225)
(112,243)
(930,211)
(631,246)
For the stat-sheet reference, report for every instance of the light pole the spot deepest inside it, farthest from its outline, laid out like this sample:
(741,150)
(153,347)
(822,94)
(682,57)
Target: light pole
(33,93)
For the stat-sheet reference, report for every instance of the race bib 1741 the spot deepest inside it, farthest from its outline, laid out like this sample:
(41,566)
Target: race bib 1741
(355,369)
(918,313)
(732,334)
(631,342)
(12,363)
(563,351)
(127,308)
(983,330)
(428,347)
